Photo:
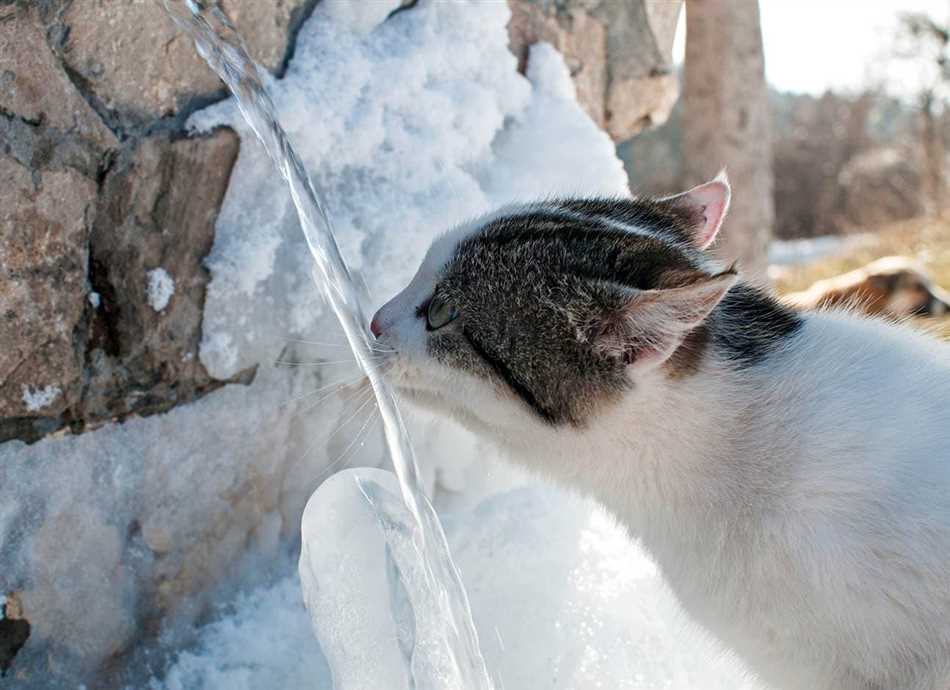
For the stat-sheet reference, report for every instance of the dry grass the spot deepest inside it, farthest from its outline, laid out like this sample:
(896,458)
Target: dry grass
(925,239)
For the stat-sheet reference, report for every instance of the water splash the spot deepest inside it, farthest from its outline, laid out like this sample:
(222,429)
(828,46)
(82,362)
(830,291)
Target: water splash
(224,50)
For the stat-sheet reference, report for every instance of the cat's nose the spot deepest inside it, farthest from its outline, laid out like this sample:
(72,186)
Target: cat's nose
(374,326)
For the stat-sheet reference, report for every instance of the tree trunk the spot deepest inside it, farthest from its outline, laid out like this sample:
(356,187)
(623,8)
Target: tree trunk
(932,146)
(726,123)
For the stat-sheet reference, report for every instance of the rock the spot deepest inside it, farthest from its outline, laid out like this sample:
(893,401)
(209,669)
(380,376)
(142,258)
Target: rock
(14,630)
(156,212)
(83,349)
(101,37)
(36,89)
(44,239)
(619,53)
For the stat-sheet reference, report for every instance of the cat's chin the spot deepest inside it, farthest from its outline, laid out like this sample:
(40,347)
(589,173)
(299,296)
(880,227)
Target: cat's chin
(435,402)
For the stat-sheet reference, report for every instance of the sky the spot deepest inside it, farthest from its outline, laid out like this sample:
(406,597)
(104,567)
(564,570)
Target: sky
(813,45)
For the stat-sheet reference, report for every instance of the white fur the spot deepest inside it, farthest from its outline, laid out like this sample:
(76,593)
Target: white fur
(800,509)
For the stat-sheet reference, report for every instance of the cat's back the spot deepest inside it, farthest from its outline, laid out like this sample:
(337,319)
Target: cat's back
(869,399)
(861,461)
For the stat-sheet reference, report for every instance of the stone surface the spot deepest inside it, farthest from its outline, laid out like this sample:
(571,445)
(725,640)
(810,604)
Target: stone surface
(619,53)
(44,238)
(14,630)
(35,88)
(157,208)
(88,207)
(139,67)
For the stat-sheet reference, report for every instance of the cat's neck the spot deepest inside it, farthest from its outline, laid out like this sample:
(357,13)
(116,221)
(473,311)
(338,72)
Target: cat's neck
(657,450)
(698,446)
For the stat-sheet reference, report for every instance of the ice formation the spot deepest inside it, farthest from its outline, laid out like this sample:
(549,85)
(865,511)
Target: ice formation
(408,126)
(36,399)
(160,288)
(563,601)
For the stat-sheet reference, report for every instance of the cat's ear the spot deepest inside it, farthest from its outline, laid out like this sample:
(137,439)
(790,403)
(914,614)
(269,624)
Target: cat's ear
(704,208)
(647,326)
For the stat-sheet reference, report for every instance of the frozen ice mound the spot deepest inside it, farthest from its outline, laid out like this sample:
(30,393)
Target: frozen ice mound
(562,600)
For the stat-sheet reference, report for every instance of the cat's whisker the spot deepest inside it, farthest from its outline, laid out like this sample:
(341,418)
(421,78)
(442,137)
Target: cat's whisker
(361,382)
(323,363)
(358,440)
(369,398)
(375,347)
(366,397)
(325,393)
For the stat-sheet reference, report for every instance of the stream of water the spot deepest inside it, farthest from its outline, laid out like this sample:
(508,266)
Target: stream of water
(223,49)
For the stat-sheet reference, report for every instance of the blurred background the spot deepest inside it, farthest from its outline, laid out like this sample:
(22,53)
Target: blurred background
(854,110)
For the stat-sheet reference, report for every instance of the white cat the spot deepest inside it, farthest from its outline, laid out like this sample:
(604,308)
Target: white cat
(790,473)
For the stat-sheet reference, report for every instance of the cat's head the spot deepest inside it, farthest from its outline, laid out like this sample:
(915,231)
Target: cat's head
(547,313)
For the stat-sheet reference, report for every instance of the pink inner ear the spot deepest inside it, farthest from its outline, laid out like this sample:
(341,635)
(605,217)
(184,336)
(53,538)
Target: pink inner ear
(710,202)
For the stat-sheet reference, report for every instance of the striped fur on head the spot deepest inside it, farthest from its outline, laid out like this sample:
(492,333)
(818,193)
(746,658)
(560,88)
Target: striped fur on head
(561,302)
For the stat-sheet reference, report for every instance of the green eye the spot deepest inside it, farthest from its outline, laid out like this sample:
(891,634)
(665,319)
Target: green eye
(440,313)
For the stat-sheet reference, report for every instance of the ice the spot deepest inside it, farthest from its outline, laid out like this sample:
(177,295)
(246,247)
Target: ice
(160,288)
(346,588)
(36,399)
(563,601)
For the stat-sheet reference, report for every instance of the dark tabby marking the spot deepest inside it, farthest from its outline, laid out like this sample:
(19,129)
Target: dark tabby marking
(656,215)
(529,287)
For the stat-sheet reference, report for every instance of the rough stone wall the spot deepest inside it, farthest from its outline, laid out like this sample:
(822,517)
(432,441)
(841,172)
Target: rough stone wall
(619,53)
(100,188)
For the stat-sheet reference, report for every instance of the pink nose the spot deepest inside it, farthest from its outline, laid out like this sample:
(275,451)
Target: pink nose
(374,327)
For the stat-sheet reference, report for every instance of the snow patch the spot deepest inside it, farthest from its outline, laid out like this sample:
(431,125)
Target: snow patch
(36,399)
(261,640)
(160,288)
(95,299)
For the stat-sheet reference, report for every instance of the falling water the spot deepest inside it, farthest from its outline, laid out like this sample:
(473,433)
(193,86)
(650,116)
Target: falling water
(223,49)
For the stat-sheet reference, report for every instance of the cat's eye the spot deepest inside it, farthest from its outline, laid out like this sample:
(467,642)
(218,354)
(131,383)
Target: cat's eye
(440,313)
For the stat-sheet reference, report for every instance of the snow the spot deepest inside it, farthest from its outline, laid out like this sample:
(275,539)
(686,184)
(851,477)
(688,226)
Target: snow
(406,130)
(265,642)
(408,127)
(95,299)
(792,252)
(36,399)
(160,288)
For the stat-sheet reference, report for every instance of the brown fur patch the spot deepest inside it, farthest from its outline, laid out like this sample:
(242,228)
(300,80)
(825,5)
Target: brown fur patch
(894,285)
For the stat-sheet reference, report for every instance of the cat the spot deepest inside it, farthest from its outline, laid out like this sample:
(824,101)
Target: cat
(788,472)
